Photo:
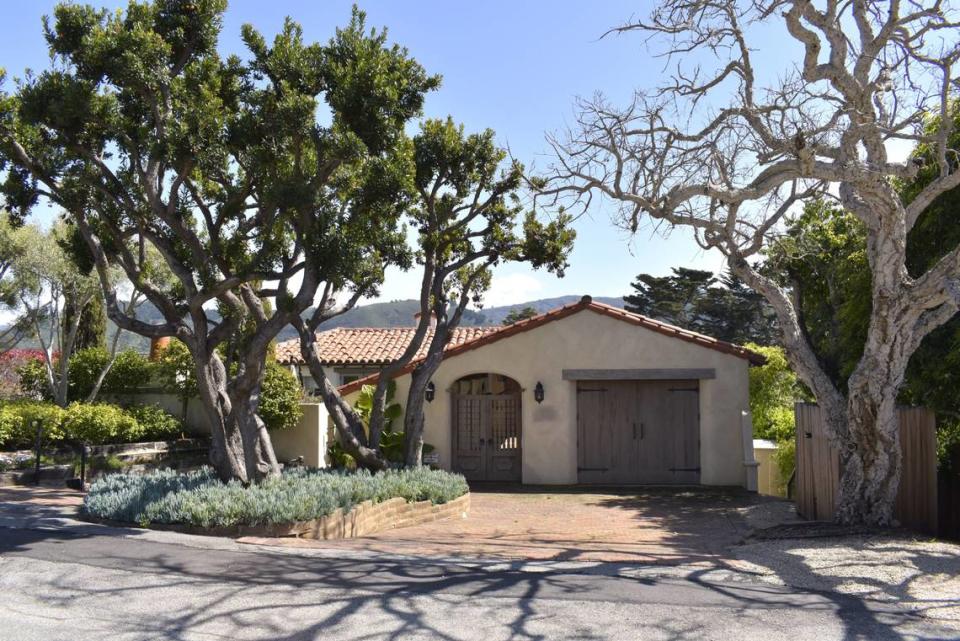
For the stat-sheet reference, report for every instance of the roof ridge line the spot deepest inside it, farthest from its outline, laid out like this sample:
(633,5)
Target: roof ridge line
(585,302)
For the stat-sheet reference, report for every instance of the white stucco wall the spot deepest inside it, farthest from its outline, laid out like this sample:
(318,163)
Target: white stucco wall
(336,375)
(589,340)
(307,439)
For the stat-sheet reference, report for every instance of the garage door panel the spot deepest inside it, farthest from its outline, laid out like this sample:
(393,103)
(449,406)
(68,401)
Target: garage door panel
(594,450)
(635,432)
(618,400)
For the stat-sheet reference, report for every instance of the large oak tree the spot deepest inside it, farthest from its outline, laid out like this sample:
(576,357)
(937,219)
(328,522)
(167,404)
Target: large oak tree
(275,176)
(726,148)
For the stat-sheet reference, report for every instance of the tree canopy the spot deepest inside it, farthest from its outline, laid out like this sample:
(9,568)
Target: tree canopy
(867,76)
(519,314)
(280,174)
(722,307)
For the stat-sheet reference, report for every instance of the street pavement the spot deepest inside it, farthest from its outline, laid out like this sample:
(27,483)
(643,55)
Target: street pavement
(69,580)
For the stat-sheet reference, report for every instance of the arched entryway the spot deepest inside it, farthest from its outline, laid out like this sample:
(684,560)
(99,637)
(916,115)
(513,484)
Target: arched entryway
(486,428)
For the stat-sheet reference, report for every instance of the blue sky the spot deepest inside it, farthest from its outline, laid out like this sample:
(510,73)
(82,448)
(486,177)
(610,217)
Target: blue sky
(515,67)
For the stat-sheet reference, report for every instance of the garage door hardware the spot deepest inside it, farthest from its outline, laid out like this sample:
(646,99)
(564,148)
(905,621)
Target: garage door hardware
(584,391)
(684,469)
(683,389)
(593,469)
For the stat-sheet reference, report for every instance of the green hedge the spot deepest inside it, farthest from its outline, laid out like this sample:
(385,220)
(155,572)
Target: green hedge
(155,423)
(17,422)
(127,374)
(94,424)
(280,398)
(100,423)
(200,499)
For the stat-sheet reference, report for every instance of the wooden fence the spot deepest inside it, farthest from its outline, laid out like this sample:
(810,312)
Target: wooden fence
(948,495)
(818,468)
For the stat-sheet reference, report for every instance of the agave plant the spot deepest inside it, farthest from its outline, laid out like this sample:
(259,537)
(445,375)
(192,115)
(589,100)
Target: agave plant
(391,442)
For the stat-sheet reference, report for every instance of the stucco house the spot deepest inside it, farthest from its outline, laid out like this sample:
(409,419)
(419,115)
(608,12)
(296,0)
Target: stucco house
(584,394)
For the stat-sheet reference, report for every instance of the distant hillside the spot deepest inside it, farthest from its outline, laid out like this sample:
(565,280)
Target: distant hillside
(495,315)
(397,313)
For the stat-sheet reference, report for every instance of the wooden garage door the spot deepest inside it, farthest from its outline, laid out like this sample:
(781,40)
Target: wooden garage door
(638,432)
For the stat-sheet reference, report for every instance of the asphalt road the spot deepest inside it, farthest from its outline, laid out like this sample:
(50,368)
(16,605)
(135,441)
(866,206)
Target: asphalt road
(79,582)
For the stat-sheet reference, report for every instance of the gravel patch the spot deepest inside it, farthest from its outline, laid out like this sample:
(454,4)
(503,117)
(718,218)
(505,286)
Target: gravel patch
(922,575)
(766,512)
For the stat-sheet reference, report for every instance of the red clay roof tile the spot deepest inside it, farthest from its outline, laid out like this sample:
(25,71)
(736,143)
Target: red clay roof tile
(586,303)
(370,345)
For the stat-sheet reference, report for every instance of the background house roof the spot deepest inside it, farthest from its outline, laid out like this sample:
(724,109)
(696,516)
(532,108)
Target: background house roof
(493,334)
(371,345)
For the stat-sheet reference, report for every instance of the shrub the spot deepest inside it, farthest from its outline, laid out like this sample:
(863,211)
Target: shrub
(174,370)
(785,458)
(84,368)
(280,398)
(33,379)
(100,423)
(6,425)
(392,443)
(948,442)
(11,362)
(17,422)
(155,423)
(200,499)
(773,390)
(129,372)
(109,463)
(92,423)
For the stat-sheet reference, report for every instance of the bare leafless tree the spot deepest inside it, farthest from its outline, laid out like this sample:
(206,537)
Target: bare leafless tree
(726,147)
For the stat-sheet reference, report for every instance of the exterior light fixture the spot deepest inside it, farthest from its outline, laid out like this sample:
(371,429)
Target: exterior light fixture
(430,392)
(538,392)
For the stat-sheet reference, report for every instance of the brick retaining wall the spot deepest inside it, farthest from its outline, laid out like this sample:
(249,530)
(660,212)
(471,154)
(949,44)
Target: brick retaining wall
(364,519)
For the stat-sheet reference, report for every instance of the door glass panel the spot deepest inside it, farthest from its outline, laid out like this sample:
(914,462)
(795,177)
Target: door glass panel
(504,423)
(469,424)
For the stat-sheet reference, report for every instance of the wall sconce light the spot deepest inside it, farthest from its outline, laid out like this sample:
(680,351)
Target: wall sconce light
(538,392)
(430,392)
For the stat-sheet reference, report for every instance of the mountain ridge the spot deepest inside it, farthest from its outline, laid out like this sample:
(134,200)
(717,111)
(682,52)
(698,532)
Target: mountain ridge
(395,313)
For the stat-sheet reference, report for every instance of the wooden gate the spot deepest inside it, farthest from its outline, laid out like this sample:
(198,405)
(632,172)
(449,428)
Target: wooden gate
(818,468)
(487,437)
(635,432)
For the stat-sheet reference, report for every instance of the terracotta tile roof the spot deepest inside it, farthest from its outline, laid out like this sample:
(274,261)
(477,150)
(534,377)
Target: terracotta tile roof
(586,303)
(371,345)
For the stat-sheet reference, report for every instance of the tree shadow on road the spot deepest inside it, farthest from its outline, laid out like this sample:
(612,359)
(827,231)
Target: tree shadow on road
(378,598)
(872,612)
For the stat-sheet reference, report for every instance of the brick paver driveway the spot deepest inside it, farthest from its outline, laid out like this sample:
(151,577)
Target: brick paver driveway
(648,525)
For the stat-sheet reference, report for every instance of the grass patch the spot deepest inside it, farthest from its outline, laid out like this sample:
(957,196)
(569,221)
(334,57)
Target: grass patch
(200,499)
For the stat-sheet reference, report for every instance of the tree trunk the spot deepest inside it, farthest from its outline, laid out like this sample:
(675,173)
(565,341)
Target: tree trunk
(413,413)
(349,427)
(862,425)
(259,458)
(870,463)
(870,454)
(413,417)
(226,446)
(240,447)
